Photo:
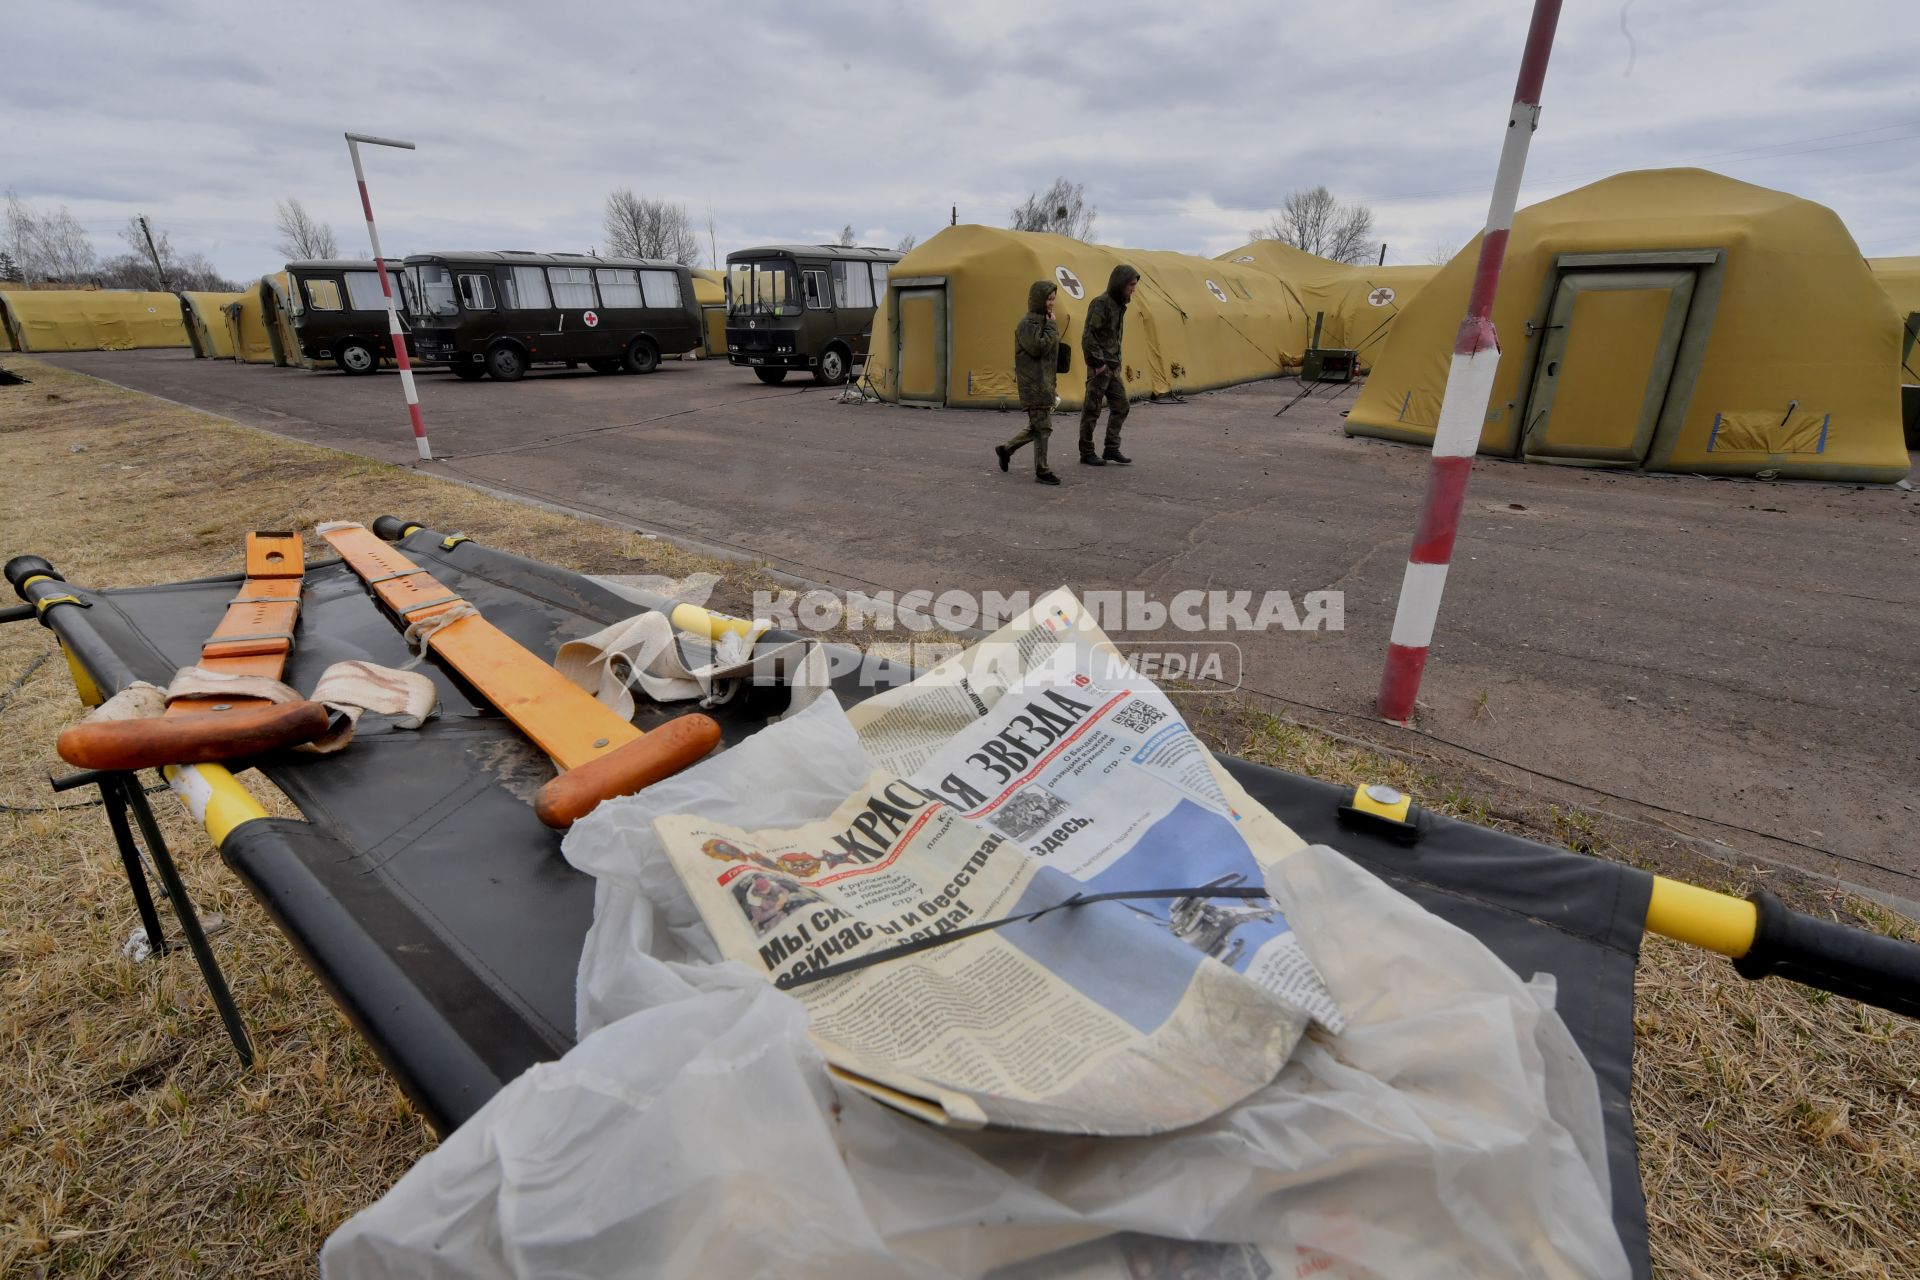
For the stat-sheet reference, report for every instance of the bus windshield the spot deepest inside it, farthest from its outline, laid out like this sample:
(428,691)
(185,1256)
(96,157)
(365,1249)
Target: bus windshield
(762,288)
(429,290)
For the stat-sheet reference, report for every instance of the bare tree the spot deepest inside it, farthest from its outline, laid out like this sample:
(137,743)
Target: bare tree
(1061,209)
(1444,250)
(638,227)
(9,269)
(713,241)
(135,268)
(847,238)
(301,234)
(1313,220)
(47,246)
(906,243)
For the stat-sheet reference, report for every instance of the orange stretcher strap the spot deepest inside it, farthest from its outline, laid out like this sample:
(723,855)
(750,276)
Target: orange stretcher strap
(256,635)
(601,755)
(563,719)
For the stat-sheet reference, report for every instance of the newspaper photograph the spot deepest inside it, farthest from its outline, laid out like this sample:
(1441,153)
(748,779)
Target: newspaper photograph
(1030,771)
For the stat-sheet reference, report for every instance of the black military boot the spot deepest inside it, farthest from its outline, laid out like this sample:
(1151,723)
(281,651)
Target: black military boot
(1088,458)
(1003,453)
(1045,477)
(1113,454)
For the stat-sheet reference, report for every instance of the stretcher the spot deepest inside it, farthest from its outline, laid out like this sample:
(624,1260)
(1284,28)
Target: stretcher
(431,900)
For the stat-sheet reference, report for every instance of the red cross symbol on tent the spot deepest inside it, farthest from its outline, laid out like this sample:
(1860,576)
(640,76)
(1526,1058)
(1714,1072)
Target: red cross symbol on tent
(1070,282)
(1380,297)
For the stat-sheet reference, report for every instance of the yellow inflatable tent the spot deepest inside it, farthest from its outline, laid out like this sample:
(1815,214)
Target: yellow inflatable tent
(6,330)
(710,295)
(277,307)
(1899,279)
(247,330)
(207,323)
(92,319)
(1354,306)
(943,335)
(1672,319)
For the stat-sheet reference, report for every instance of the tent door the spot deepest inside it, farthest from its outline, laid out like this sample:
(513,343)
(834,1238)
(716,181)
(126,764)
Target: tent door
(920,345)
(1605,363)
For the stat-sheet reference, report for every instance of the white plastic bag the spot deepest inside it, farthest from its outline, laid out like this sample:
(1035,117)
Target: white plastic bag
(1452,1131)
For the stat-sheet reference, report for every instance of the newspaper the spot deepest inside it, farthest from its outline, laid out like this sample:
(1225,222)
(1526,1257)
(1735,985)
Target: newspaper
(1028,770)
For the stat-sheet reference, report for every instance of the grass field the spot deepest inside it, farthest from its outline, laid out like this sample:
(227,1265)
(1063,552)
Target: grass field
(1779,1128)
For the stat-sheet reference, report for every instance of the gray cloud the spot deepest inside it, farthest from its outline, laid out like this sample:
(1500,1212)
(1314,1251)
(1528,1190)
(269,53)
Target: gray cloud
(1187,123)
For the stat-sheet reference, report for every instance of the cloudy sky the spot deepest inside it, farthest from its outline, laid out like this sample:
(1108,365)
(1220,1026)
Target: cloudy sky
(1188,122)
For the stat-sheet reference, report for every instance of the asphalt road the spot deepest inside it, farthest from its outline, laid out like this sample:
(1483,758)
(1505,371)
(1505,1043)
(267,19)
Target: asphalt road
(1737,658)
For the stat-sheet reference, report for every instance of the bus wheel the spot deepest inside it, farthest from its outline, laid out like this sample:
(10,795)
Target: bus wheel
(772,377)
(356,357)
(468,372)
(604,364)
(506,364)
(642,356)
(833,367)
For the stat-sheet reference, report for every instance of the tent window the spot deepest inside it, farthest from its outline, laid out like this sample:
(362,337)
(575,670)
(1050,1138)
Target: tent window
(619,287)
(852,285)
(476,291)
(816,290)
(526,289)
(572,286)
(662,288)
(363,291)
(322,295)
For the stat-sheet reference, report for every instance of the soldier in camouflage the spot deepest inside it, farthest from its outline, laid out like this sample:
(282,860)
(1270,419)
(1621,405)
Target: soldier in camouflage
(1036,343)
(1100,344)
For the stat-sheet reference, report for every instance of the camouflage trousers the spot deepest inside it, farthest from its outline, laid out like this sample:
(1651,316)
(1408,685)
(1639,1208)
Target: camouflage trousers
(1105,387)
(1039,427)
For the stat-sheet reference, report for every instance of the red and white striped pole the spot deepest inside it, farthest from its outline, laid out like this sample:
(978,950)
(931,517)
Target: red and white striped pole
(1463,405)
(386,286)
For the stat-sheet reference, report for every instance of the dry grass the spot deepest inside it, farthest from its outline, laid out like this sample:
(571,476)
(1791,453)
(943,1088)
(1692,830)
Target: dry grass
(1779,1129)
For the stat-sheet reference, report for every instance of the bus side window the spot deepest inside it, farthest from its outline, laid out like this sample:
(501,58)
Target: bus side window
(322,295)
(816,290)
(572,287)
(476,292)
(525,289)
(879,280)
(852,285)
(364,292)
(619,287)
(662,288)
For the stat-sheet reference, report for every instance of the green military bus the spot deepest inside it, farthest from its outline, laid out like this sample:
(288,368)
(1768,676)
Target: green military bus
(803,307)
(498,314)
(339,312)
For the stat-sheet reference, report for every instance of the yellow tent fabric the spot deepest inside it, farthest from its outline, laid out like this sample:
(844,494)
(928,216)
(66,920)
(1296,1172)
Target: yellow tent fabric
(92,319)
(1672,319)
(277,306)
(1899,279)
(6,331)
(247,330)
(710,295)
(207,323)
(1194,323)
(1356,305)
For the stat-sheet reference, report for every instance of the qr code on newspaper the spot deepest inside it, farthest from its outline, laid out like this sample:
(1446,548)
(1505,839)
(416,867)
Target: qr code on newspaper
(1138,716)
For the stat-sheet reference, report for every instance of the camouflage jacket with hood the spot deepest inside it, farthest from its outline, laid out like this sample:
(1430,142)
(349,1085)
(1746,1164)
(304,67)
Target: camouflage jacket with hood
(1107,320)
(1035,340)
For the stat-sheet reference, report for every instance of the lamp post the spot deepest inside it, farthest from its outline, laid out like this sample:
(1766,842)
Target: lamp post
(386,287)
(1463,405)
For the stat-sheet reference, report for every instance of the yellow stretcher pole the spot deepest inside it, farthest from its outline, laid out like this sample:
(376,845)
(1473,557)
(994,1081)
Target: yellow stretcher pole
(1760,934)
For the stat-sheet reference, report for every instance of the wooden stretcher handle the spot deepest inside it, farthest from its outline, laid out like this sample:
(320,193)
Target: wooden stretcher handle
(641,763)
(191,739)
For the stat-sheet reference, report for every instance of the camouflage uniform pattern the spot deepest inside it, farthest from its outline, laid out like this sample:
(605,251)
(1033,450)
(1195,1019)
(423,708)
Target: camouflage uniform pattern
(1036,340)
(1100,345)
